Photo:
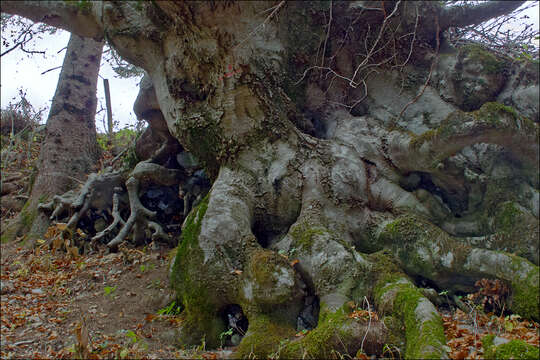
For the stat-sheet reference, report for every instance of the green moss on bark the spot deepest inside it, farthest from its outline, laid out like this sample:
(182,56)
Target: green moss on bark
(303,235)
(319,343)
(525,291)
(424,333)
(490,63)
(424,341)
(200,318)
(265,338)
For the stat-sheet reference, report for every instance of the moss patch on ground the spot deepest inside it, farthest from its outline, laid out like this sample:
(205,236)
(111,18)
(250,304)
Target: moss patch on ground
(515,349)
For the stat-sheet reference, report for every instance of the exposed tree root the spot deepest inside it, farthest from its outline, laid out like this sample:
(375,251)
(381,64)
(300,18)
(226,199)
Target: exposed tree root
(97,193)
(117,219)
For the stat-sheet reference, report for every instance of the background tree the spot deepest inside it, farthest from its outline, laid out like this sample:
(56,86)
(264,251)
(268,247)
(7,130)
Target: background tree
(354,153)
(69,150)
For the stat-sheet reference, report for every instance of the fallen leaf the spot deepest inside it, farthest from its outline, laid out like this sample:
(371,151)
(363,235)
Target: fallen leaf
(294,262)
(61,226)
(209,356)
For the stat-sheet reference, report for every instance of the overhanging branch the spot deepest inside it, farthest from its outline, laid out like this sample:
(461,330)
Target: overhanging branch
(62,14)
(461,16)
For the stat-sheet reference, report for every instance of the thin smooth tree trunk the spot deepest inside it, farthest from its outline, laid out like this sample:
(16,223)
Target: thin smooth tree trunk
(109,109)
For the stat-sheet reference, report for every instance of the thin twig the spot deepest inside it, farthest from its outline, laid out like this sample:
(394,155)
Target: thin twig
(54,68)
(413,39)
(369,324)
(277,7)
(327,35)
(366,59)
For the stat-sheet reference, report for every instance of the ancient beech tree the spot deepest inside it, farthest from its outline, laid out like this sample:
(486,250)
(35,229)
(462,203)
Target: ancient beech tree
(350,136)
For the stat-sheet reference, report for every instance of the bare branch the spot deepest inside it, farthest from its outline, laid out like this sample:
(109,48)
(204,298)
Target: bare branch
(366,59)
(461,16)
(327,35)
(263,24)
(54,68)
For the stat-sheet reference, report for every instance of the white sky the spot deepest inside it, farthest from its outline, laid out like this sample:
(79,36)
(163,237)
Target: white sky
(18,70)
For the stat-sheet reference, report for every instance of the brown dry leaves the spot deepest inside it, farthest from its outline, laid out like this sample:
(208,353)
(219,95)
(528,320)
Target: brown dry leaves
(464,332)
(29,311)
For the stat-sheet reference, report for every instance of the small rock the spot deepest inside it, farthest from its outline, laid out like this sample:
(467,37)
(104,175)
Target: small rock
(109,258)
(499,341)
(114,272)
(37,291)
(33,318)
(235,339)
(169,336)
(6,287)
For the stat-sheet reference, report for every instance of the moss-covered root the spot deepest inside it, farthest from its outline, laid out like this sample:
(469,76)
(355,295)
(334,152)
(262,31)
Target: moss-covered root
(424,331)
(264,339)
(493,123)
(338,335)
(426,250)
(515,349)
(21,225)
(520,273)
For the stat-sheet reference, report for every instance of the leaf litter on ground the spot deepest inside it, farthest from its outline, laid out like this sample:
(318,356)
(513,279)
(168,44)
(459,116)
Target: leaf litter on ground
(54,305)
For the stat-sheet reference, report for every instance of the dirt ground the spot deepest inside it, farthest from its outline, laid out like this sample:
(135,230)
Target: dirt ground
(95,306)
(111,305)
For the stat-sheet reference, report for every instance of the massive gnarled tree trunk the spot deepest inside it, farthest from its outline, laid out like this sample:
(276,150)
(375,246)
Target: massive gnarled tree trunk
(348,136)
(69,150)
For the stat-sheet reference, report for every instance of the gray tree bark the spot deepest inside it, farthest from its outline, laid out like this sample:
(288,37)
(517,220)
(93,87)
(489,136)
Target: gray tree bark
(352,158)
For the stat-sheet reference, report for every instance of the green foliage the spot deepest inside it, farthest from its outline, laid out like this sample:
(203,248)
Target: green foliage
(132,336)
(121,138)
(124,138)
(148,267)
(171,309)
(225,334)
(130,159)
(109,290)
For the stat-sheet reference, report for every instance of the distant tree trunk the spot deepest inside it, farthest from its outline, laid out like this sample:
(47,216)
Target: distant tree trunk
(69,150)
